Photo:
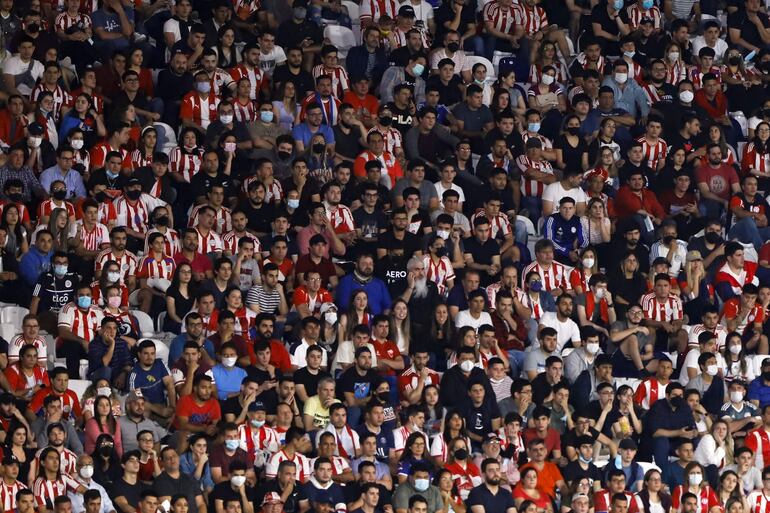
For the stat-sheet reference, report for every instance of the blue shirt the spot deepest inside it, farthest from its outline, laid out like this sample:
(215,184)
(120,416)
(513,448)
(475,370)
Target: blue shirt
(121,356)
(110,21)
(630,98)
(758,391)
(188,466)
(177,348)
(33,264)
(150,381)
(227,380)
(302,133)
(379,297)
(72,180)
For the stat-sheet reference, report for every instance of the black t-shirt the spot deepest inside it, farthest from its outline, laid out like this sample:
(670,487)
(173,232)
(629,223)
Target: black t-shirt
(402,119)
(231,405)
(478,419)
(258,219)
(370,224)
(292,34)
(54,292)
(224,492)
(201,183)
(186,485)
(500,502)
(445,14)
(309,381)
(351,381)
(574,471)
(573,155)
(303,81)
(132,492)
(450,93)
(739,20)
(353,493)
(269,397)
(482,254)
(292,502)
(569,438)
(347,145)
(600,15)
(410,242)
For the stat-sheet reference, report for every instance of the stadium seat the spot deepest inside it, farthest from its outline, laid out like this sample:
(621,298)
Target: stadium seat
(7,331)
(79,386)
(13,315)
(146,326)
(475,59)
(341,37)
(161,350)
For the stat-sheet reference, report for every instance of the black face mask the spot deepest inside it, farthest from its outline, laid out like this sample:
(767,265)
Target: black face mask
(59,194)
(105,450)
(713,238)
(734,60)
(100,196)
(15,197)
(461,454)
(383,396)
(677,402)
(386,121)
(667,240)
(453,47)
(766,375)
(284,155)
(573,130)
(441,252)
(133,194)
(33,28)
(161,221)
(319,148)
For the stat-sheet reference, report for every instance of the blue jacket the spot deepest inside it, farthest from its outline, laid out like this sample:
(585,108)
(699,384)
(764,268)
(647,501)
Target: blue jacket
(564,233)
(33,264)
(379,297)
(358,60)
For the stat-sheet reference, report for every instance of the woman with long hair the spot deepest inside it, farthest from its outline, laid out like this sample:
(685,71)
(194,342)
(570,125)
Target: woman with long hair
(135,62)
(571,148)
(51,482)
(548,98)
(546,56)
(107,466)
(180,298)
(434,411)
(606,138)
(729,488)
(320,164)
(142,155)
(102,422)
(76,138)
(357,313)
(415,452)
(507,81)
(627,284)
(466,337)
(59,226)
(695,482)
(596,224)
(716,135)
(744,89)
(676,69)
(738,365)
(652,498)
(756,155)
(448,491)
(20,447)
(400,325)
(99,387)
(442,334)
(127,115)
(83,115)
(227,54)
(110,276)
(628,424)
(128,326)
(16,234)
(195,462)
(526,490)
(676,163)
(501,102)
(715,450)
(245,108)
(581,274)
(286,107)
(185,159)
(454,427)
(694,287)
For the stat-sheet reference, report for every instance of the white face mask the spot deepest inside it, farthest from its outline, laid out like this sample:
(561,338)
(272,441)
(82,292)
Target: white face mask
(86,472)
(77,143)
(35,142)
(686,96)
(734,349)
(257,423)
(588,262)
(229,362)
(696,479)
(330,317)
(599,293)
(712,370)
(466,366)
(592,347)
(104,391)
(736,397)
(444,234)
(547,79)
(621,78)
(226,119)
(673,56)
(113,277)
(237,481)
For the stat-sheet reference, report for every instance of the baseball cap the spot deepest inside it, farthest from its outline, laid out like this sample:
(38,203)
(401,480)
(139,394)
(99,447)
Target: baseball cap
(693,255)
(257,406)
(271,498)
(327,306)
(35,129)
(628,443)
(406,11)
(134,395)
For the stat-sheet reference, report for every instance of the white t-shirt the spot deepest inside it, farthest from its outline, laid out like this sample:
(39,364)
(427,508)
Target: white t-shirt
(14,66)
(464,318)
(423,11)
(268,61)
(440,190)
(565,331)
(555,192)
(462,62)
(691,361)
(347,354)
(720,47)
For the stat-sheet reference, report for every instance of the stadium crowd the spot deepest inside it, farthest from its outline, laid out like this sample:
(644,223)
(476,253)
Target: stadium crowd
(500,256)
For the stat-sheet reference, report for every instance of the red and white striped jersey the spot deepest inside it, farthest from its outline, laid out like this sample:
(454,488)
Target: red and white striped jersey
(649,391)
(340,80)
(546,142)
(152,268)
(223,219)
(499,225)
(46,491)
(83,324)
(255,75)
(99,155)
(439,272)
(340,465)
(391,136)
(60,97)
(533,18)
(758,440)
(201,111)
(230,242)
(67,460)
(302,465)
(245,113)
(340,217)
(221,81)
(127,262)
(652,94)
(245,8)
(536,73)
(530,186)
(258,439)
(185,163)
(557,275)
(758,502)
(98,300)
(373,9)
(586,64)
(64,21)
(676,73)
(737,281)
(134,215)
(139,159)
(754,159)
(17,343)
(95,238)
(8,495)
(401,38)
(654,152)
(720,332)
(494,288)
(669,310)
(97,99)
(348,441)
(47,206)
(210,243)
(330,108)
(439,448)
(502,18)
(171,244)
(696,75)
(273,191)
(107,213)
(636,13)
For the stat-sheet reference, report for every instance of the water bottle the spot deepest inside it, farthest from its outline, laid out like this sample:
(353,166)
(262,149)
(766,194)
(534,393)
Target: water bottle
(83,369)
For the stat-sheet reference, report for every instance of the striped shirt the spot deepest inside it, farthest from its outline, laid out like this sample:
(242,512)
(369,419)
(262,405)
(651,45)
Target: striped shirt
(231,238)
(340,217)
(401,37)
(533,18)
(245,113)
(171,241)
(211,243)
(152,268)
(268,301)
(669,310)
(502,18)
(636,13)
(82,324)
(187,162)
(60,98)
(340,80)
(439,272)
(221,82)
(373,9)
(47,206)
(391,136)
(8,495)
(17,343)
(499,225)
(255,75)
(223,219)
(201,111)
(530,186)
(654,152)
(99,155)
(557,276)
(135,216)
(46,491)
(64,21)
(139,159)
(127,262)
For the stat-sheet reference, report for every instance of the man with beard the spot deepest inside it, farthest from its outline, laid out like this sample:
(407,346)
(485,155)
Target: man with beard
(391,269)
(362,277)
(489,496)
(421,296)
(717,182)
(629,243)
(279,356)
(669,422)
(53,416)
(355,385)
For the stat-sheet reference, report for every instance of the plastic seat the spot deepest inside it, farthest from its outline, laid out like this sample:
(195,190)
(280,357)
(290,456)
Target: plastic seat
(13,315)
(146,326)
(341,37)
(353,10)
(475,59)
(161,350)
(79,386)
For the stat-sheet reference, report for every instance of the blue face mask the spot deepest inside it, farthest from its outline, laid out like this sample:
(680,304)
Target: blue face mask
(618,5)
(536,286)
(647,4)
(630,55)
(232,444)
(584,460)
(533,127)
(418,69)
(618,461)
(111,174)
(292,203)
(266,116)
(60,270)
(84,301)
